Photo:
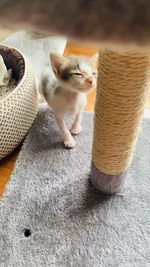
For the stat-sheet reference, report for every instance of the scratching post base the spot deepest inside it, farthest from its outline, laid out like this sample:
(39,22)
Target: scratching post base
(106,183)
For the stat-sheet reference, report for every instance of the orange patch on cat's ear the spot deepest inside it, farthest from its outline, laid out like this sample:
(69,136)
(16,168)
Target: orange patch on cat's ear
(94,60)
(57,61)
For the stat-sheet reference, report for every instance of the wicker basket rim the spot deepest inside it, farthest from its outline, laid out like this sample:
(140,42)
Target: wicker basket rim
(22,79)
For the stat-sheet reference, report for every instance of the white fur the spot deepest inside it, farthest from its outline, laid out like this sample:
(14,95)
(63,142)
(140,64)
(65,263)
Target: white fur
(66,97)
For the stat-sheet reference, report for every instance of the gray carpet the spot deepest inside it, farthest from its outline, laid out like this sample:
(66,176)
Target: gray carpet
(51,216)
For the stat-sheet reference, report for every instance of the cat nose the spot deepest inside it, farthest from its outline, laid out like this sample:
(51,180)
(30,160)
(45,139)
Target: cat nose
(89,80)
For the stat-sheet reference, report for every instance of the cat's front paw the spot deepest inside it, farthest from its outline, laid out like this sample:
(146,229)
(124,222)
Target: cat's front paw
(70,143)
(76,130)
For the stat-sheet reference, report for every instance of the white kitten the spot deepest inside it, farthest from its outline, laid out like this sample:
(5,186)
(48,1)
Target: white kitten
(65,92)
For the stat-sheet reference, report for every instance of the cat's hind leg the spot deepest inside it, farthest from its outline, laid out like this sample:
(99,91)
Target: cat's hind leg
(76,126)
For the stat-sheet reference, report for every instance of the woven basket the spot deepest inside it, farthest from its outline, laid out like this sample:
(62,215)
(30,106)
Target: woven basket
(18,108)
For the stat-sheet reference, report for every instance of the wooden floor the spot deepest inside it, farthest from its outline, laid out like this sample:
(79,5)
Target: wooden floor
(6,165)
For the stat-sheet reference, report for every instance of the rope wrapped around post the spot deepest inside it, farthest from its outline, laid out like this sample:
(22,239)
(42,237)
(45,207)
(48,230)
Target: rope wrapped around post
(122,87)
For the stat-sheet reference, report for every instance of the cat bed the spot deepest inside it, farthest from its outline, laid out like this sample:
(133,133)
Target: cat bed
(18,102)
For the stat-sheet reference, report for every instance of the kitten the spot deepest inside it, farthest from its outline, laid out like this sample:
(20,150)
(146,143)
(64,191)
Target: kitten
(65,92)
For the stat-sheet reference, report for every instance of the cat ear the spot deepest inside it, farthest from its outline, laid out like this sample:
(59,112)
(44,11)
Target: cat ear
(94,60)
(57,62)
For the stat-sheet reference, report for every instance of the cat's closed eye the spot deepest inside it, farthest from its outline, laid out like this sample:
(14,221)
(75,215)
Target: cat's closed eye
(78,74)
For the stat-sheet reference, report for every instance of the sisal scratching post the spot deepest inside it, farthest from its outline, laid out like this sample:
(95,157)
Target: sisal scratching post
(123,81)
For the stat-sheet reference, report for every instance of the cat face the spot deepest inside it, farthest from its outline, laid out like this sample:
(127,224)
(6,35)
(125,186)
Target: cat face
(75,73)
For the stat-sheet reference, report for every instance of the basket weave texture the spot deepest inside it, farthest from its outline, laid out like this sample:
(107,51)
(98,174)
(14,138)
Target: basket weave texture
(19,108)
